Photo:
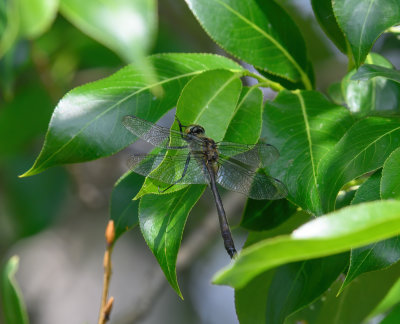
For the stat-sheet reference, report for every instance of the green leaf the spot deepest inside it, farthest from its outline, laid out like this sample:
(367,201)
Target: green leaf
(324,13)
(378,255)
(362,21)
(369,190)
(162,219)
(241,26)
(296,285)
(245,126)
(347,228)
(217,93)
(251,300)
(303,126)
(87,122)
(36,16)
(354,304)
(390,184)
(13,304)
(124,210)
(261,215)
(280,292)
(364,148)
(370,71)
(375,96)
(126,27)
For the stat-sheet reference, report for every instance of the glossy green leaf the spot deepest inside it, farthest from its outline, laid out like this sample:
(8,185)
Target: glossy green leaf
(36,16)
(303,126)
(261,215)
(127,27)
(296,285)
(362,21)
(390,184)
(162,220)
(374,96)
(324,13)
(242,26)
(87,122)
(14,309)
(364,148)
(370,71)
(217,93)
(378,255)
(347,228)
(124,210)
(354,304)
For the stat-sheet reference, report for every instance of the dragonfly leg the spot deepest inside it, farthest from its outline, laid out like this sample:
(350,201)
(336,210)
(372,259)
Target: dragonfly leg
(180,126)
(183,175)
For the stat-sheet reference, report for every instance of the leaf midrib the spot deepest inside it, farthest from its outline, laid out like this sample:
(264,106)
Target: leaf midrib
(113,106)
(304,77)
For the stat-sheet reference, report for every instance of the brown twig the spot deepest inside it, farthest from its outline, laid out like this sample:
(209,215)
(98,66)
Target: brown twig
(106,305)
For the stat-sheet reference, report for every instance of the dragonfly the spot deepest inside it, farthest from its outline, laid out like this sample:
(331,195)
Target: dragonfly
(188,156)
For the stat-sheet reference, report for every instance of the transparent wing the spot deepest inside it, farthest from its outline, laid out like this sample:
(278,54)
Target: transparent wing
(235,177)
(255,155)
(169,168)
(154,134)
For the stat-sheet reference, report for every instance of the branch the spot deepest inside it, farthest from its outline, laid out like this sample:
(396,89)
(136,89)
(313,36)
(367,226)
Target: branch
(106,305)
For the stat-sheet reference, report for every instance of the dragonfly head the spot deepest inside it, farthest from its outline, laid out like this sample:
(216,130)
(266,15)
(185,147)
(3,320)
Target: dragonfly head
(195,130)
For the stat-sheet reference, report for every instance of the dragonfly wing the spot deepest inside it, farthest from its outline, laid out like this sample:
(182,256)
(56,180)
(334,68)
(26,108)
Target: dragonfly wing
(154,134)
(235,177)
(256,155)
(168,168)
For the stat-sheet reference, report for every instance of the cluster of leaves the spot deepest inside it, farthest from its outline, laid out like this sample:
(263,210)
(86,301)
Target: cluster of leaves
(339,155)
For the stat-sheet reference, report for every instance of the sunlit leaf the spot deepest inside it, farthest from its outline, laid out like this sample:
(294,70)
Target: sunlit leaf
(127,27)
(36,16)
(347,228)
(87,122)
